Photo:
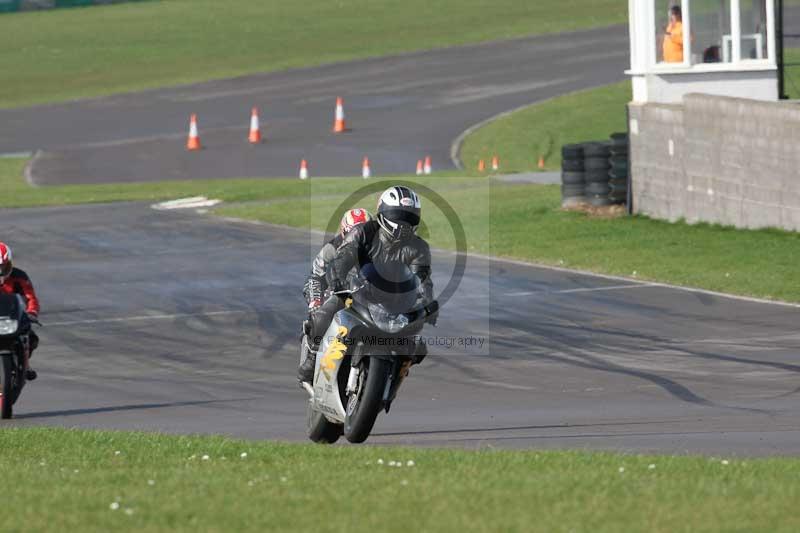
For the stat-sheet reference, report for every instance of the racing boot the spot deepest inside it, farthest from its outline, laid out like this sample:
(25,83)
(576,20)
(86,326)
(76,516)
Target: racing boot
(308,362)
(30,374)
(305,373)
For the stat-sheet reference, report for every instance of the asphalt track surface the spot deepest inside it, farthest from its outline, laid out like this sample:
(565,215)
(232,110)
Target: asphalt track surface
(182,322)
(399,109)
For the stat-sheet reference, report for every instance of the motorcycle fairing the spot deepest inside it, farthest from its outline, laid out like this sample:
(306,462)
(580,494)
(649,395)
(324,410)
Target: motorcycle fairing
(332,351)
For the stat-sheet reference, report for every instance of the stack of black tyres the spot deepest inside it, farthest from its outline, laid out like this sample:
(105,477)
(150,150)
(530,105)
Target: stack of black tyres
(597,162)
(573,182)
(618,174)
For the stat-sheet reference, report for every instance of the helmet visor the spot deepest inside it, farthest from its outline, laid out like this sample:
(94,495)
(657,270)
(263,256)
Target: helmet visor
(398,215)
(5,269)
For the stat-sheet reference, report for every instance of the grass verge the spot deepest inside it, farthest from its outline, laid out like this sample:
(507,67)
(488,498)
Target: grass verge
(510,220)
(69,480)
(792,72)
(72,53)
(541,129)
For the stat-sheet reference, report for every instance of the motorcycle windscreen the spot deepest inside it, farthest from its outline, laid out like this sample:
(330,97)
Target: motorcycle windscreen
(10,306)
(393,286)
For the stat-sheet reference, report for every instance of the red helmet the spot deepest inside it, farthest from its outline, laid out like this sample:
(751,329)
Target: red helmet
(5,261)
(353,218)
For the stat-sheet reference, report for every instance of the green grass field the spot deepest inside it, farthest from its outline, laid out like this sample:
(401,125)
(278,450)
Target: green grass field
(792,72)
(72,53)
(541,129)
(71,480)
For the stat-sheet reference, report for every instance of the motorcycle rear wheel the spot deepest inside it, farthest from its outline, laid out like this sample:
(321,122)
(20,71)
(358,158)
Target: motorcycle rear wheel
(359,421)
(7,400)
(320,429)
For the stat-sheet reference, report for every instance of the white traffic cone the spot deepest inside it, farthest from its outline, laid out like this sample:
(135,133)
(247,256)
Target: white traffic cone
(365,170)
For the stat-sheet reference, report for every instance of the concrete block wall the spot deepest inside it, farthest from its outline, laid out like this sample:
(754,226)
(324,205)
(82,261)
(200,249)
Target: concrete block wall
(717,159)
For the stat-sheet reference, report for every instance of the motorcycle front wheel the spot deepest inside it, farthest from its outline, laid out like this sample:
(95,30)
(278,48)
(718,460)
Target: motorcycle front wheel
(364,408)
(7,399)
(320,429)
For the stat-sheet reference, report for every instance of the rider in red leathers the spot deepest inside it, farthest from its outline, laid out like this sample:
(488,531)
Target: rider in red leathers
(16,281)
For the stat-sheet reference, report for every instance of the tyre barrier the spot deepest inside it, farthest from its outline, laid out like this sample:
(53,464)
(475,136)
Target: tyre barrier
(597,163)
(619,139)
(595,172)
(573,177)
(617,184)
(619,151)
(597,176)
(596,149)
(597,189)
(572,151)
(572,165)
(618,174)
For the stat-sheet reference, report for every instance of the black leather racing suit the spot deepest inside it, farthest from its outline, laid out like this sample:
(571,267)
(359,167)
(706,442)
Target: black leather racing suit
(368,243)
(317,282)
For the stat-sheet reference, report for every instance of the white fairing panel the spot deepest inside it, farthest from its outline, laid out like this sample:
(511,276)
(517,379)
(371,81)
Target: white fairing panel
(327,399)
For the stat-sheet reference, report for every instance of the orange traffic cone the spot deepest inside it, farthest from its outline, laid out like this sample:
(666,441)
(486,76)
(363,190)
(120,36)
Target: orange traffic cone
(481,165)
(303,170)
(427,166)
(541,162)
(193,143)
(495,163)
(365,170)
(420,168)
(338,122)
(255,127)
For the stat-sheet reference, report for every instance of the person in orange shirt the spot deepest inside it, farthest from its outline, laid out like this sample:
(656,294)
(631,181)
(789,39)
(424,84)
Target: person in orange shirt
(673,37)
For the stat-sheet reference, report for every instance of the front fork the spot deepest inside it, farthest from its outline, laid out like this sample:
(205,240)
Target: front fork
(395,379)
(26,352)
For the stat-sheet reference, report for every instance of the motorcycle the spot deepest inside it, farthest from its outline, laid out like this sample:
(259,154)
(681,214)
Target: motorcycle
(366,353)
(15,329)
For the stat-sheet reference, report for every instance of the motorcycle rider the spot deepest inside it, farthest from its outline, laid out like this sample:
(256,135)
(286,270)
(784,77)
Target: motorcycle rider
(389,238)
(16,281)
(317,285)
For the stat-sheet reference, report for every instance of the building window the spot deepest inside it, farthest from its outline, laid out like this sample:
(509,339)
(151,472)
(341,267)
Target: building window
(669,32)
(711,31)
(703,32)
(754,29)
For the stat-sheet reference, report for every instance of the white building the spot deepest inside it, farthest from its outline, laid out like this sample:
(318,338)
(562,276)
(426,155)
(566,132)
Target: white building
(728,49)
(709,140)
